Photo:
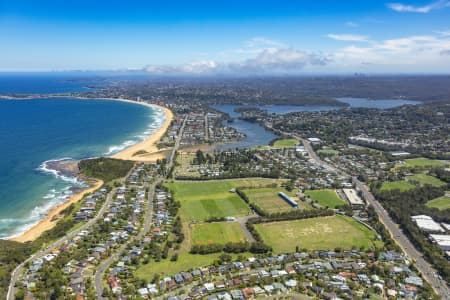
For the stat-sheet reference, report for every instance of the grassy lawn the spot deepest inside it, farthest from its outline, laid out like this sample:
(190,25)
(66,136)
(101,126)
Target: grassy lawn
(285,143)
(317,234)
(201,200)
(426,179)
(221,233)
(440,203)
(425,162)
(326,198)
(268,200)
(401,185)
(185,262)
(183,165)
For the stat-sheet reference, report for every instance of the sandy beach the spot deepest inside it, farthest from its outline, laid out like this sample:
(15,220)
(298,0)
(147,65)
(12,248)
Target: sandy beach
(152,153)
(52,218)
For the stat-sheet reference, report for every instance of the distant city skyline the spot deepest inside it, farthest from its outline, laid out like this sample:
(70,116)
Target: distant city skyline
(232,37)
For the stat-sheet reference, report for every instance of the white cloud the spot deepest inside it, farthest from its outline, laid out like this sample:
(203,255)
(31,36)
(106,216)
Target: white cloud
(261,41)
(195,67)
(444,33)
(268,60)
(280,60)
(256,45)
(348,37)
(411,53)
(416,53)
(399,7)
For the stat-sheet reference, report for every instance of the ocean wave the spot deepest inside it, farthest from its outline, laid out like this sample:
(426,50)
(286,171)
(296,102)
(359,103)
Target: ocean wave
(158,117)
(20,225)
(53,198)
(118,148)
(44,168)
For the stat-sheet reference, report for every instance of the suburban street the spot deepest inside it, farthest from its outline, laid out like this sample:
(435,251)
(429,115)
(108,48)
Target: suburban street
(19,269)
(148,218)
(428,272)
(426,269)
(104,265)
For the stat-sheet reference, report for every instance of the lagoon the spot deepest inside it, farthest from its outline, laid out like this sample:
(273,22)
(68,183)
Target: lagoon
(257,135)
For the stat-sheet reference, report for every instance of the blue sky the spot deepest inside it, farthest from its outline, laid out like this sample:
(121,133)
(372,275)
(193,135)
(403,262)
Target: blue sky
(226,36)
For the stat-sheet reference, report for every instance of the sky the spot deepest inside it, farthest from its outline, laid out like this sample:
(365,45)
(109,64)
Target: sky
(226,37)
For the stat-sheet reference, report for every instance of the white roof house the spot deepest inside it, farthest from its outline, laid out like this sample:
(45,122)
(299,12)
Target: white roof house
(426,223)
(442,240)
(314,140)
(353,197)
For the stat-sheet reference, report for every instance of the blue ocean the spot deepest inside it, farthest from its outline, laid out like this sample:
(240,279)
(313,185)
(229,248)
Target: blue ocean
(34,132)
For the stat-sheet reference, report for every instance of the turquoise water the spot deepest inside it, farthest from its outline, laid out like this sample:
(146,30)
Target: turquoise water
(33,132)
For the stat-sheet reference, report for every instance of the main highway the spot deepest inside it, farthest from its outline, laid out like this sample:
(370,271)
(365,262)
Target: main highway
(426,269)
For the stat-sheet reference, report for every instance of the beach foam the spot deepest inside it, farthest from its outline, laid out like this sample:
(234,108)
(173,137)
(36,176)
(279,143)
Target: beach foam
(53,198)
(37,132)
(157,118)
(20,225)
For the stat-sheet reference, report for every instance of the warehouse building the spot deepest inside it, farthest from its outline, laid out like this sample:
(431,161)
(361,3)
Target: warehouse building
(288,199)
(355,201)
(427,224)
(441,240)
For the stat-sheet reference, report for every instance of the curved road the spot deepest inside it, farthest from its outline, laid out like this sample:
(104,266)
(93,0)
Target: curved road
(98,277)
(19,269)
(425,268)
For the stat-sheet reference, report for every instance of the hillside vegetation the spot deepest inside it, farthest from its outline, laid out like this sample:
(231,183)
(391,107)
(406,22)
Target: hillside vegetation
(104,168)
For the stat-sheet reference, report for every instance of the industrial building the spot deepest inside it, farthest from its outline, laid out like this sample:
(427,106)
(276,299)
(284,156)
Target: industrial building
(427,224)
(355,201)
(441,240)
(288,199)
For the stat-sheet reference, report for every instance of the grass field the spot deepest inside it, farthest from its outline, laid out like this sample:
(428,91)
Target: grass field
(425,162)
(201,200)
(268,200)
(326,198)
(184,167)
(401,185)
(185,262)
(440,203)
(221,233)
(285,143)
(426,179)
(317,234)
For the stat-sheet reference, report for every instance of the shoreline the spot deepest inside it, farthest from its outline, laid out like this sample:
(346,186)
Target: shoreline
(148,145)
(51,218)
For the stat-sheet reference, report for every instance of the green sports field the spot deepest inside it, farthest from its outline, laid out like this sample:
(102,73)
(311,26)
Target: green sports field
(401,185)
(269,200)
(426,179)
(185,262)
(440,203)
(201,200)
(326,198)
(285,143)
(220,233)
(317,234)
(425,162)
